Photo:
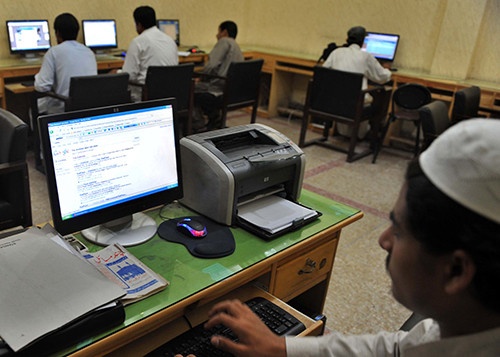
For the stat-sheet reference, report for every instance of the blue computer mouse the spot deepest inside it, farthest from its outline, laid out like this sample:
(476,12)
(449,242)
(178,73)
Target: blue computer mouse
(190,228)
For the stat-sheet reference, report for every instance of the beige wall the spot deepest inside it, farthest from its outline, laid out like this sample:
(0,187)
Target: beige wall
(436,35)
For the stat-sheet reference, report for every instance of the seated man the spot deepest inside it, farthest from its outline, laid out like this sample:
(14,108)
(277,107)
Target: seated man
(208,91)
(443,247)
(68,59)
(151,48)
(352,59)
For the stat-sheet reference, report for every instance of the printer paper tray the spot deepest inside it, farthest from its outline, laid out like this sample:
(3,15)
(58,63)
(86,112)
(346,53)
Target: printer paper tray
(258,231)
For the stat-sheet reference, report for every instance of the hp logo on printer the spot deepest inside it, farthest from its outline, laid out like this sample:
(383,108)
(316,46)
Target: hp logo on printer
(266,179)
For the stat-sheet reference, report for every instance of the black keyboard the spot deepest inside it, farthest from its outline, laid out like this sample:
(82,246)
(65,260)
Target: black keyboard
(28,83)
(197,340)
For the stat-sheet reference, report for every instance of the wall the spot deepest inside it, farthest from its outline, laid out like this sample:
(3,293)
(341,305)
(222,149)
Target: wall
(429,29)
(198,19)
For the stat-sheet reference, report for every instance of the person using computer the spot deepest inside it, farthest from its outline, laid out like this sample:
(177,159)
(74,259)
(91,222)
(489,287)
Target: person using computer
(208,91)
(443,247)
(151,48)
(352,59)
(68,59)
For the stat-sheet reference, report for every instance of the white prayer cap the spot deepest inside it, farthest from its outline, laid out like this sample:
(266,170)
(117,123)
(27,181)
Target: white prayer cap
(464,163)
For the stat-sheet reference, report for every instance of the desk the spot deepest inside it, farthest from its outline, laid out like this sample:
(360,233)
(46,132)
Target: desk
(287,74)
(11,68)
(196,282)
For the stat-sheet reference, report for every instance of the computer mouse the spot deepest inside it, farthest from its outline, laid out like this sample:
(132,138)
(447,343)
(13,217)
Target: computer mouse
(191,228)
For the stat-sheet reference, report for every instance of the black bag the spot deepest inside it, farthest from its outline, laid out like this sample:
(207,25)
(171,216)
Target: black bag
(326,52)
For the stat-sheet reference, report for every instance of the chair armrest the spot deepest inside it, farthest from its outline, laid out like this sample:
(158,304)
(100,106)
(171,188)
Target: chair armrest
(137,84)
(209,76)
(9,167)
(53,95)
(372,90)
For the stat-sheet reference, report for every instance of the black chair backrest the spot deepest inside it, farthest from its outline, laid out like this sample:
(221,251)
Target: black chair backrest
(98,91)
(336,92)
(411,96)
(170,81)
(13,137)
(467,101)
(244,80)
(434,117)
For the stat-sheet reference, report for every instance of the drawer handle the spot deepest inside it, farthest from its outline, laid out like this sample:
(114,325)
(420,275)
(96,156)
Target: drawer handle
(311,263)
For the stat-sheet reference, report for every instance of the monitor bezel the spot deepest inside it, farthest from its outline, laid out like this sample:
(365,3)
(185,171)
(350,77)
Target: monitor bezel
(178,41)
(100,47)
(94,218)
(40,50)
(386,34)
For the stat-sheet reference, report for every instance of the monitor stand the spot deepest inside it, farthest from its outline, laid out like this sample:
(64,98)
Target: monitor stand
(30,57)
(128,231)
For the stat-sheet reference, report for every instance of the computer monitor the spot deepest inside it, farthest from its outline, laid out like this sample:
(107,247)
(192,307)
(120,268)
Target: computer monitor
(383,46)
(171,28)
(28,36)
(99,34)
(104,165)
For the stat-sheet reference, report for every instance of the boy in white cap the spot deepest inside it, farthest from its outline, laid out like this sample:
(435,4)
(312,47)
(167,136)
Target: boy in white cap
(444,248)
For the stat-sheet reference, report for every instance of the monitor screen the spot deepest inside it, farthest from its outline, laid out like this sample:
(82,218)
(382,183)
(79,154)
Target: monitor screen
(170,28)
(381,45)
(107,163)
(99,34)
(28,36)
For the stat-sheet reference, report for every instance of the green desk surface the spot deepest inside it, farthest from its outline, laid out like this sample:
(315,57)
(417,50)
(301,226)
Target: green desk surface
(188,275)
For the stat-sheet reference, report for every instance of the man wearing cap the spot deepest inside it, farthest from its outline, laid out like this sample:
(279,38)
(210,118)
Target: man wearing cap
(443,247)
(352,59)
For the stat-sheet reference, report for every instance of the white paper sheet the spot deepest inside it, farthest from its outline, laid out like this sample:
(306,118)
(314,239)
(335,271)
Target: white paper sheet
(45,287)
(274,213)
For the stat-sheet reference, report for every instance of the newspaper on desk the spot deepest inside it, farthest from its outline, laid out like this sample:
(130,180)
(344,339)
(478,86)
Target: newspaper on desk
(127,271)
(44,288)
(118,265)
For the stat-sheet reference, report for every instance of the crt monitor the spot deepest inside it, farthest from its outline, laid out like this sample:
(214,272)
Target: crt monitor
(28,36)
(170,28)
(99,34)
(383,46)
(107,164)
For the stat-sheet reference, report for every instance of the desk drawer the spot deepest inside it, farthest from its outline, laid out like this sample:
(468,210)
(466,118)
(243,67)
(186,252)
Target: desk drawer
(296,275)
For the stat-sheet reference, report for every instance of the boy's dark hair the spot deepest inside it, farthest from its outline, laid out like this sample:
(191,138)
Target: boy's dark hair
(230,26)
(442,226)
(67,26)
(146,16)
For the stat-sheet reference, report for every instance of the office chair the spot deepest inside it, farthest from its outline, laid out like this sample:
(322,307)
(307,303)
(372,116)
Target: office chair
(241,88)
(434,119)
(336,96)
(405,102)
(466,104)
(15,202)
(172,81)
(84,93)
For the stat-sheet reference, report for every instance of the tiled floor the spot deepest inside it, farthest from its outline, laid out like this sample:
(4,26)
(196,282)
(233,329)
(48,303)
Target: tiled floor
(359,298)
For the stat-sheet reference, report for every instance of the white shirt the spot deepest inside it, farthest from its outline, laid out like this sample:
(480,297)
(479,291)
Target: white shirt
(352,59)
(60,63)
(422,340)
(151,48)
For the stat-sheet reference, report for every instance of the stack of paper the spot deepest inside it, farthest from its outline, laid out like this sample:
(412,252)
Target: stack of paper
(44,287)
(274,213)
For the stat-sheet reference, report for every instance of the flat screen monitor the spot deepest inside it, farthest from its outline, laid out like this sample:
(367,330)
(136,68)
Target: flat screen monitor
(99,34)
(107,164)
(383,46)
(28,36)
(170,28)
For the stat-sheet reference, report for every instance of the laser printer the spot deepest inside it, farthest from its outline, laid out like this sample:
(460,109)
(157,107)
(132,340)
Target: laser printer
(226,168)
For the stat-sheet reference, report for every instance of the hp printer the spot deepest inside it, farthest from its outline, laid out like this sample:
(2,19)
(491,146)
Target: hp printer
(227,168)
